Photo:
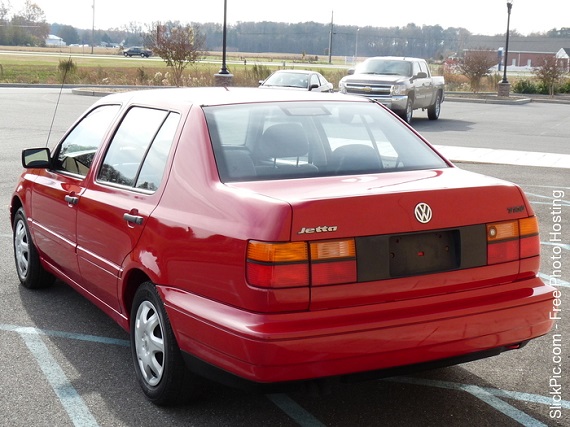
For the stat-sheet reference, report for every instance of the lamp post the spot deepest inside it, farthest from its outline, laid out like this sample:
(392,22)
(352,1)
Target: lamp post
(504,86)
(509,7)
(224,77)
(224,69)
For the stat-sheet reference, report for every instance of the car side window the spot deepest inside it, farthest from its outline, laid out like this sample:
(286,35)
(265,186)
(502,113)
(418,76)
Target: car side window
(137,155)
(75,153)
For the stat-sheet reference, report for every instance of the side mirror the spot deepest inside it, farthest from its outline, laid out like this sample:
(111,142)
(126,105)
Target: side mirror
(313,86)
(421,75)
(36,158)
(350,71)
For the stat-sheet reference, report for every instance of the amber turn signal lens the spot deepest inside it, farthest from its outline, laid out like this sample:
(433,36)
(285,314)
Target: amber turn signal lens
(277,252)
(528,226)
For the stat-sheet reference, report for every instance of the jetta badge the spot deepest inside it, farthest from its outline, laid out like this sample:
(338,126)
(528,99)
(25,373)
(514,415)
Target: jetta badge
(423,213)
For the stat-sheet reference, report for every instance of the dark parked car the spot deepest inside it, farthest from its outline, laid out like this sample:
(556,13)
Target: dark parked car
(137,51)
(297,79)
(275,237)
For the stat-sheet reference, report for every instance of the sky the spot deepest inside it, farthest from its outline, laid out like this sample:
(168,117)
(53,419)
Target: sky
(488,17)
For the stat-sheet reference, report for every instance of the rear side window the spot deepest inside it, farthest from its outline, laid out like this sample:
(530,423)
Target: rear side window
(75,153)
(138,153)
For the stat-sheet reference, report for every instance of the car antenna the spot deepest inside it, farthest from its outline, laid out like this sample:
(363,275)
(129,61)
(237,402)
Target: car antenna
(66,69)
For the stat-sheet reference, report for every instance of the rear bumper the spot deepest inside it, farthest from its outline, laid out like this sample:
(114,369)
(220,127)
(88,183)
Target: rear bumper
(274,348)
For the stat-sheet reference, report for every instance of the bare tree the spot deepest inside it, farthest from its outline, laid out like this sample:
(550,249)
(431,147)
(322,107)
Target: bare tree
(178,45)
(549,73)
(4,10)
(476,64)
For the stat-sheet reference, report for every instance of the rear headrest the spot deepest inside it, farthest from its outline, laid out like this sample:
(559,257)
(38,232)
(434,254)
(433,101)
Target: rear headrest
(284,140)
(356,157)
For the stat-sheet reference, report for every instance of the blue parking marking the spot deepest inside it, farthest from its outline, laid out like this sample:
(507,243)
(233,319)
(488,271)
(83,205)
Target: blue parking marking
(502,406)
(294,410)
(559,282)
(515,395)
(69,398)
(81,416)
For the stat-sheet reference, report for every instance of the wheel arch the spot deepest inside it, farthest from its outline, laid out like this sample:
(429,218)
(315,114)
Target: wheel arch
(15,204)
(133,279)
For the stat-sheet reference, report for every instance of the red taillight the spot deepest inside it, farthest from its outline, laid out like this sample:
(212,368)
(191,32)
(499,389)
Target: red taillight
(512,240)
(297,264)
(277,276)
(277,265)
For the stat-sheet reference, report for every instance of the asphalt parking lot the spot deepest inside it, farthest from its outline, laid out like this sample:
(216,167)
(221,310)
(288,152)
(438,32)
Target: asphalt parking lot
(63,362)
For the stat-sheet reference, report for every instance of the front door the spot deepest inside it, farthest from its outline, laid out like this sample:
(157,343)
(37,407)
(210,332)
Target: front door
(57,191)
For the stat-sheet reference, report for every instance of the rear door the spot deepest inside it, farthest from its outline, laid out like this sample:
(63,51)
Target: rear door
(424,86)
(115,207)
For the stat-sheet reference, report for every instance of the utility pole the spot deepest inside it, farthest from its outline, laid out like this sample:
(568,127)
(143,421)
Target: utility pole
(93,29)
(330,38)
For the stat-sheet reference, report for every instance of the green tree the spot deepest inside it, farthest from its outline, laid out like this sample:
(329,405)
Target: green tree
(4,11)
(69,34)
(178,45)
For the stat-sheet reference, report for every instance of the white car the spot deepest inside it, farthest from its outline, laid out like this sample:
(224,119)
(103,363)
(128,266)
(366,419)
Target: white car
(297,79)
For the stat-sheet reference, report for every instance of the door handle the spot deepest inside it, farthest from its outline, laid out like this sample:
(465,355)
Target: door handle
(133,219)
(72,200)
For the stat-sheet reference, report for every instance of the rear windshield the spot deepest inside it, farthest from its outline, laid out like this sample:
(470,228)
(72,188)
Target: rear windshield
(267,141)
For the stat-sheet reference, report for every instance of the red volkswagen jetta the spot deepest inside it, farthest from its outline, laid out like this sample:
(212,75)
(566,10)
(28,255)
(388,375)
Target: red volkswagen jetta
(275,237)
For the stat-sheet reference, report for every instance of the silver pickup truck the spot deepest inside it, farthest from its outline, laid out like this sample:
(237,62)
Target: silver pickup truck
(402,84)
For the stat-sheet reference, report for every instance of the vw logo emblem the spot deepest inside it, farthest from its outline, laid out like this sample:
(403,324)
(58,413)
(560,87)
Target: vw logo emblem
(423,213)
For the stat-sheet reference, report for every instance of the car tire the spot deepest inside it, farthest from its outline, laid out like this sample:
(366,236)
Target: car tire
(142,55)
(435,108)
(30,271)
(157,359)
(409,111)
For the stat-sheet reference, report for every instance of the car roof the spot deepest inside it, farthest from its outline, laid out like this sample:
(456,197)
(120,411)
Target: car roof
(211,96)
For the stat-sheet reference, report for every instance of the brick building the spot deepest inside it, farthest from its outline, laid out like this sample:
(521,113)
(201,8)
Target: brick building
(524,52)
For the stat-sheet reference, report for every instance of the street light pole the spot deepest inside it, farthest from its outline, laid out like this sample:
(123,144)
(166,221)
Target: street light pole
(224,69)
(224,77)
(509,7)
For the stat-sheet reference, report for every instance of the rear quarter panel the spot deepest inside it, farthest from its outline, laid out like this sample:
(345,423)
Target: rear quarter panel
(201,228)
